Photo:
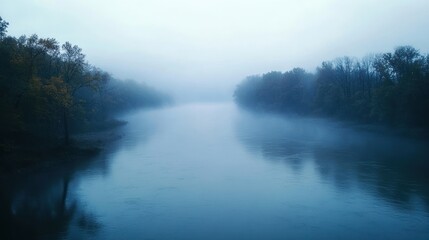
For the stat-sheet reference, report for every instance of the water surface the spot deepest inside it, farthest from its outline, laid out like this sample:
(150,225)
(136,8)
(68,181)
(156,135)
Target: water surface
(213,171)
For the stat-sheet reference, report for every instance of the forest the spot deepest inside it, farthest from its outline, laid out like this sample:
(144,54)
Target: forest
(49,92)
(389,89)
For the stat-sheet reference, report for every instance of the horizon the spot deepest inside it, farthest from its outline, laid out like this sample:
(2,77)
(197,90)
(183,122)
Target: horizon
(200,50)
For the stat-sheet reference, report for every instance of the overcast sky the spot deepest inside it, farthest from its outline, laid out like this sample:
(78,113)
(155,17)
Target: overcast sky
(209,46)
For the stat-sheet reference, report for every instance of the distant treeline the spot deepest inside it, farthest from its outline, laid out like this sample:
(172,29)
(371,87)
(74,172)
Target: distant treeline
(48,90)
(389,88)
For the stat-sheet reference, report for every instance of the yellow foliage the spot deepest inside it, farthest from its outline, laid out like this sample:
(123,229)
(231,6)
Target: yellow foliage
(58,92)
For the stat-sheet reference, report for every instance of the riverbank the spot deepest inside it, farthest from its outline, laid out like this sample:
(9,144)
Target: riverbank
(39,153)
(383,129)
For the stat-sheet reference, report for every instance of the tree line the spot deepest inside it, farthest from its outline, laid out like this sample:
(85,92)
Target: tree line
(49,90)
(389,88)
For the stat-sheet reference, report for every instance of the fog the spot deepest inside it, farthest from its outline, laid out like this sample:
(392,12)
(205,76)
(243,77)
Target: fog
(316,145)
(201,49)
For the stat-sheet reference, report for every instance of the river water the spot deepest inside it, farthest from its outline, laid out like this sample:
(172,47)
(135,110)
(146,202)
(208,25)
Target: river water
(213,171)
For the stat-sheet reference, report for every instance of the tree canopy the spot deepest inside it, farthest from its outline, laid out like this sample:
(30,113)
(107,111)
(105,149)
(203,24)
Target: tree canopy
(48,89)
(389,88)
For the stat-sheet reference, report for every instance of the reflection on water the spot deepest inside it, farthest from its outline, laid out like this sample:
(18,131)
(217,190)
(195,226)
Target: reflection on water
(391,168)
(44,205)
(212,171)
(41,205)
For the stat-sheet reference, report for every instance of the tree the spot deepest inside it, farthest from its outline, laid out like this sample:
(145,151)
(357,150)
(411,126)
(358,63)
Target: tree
(389,88)
(3,28)
(48,90)
(76,74)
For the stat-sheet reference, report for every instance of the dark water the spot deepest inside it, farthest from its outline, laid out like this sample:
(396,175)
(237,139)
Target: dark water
(212,171)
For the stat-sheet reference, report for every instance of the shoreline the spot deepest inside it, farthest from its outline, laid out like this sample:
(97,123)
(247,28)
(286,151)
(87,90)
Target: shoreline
(83,146)
(415,133)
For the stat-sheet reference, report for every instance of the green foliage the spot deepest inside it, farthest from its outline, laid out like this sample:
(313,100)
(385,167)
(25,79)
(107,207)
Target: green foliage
(3,27)
(48,89)
(389,88)
(277,91)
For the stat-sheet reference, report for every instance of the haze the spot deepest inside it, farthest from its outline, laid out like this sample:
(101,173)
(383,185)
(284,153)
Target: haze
(201,49)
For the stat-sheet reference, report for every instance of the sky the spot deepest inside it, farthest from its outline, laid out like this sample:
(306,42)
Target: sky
(196,49)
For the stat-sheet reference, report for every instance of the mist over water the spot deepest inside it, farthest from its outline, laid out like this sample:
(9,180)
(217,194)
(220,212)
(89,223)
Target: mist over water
(128,119)
(214,171)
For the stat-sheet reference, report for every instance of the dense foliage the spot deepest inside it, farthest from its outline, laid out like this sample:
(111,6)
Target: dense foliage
(48,90)
(389,88)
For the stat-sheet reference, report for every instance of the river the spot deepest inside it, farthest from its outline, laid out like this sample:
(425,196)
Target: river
(214,171)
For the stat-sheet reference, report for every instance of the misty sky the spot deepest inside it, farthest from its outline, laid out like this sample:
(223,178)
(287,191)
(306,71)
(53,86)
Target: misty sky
(209,46)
